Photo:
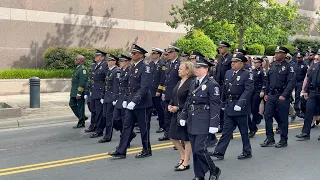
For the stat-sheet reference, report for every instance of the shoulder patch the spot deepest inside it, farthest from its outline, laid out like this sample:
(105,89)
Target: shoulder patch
(291,69)
(216,91)
(147,69)
(84,71)
(250,76)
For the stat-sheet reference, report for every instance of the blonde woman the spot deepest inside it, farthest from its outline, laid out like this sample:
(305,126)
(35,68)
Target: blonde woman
(177,133)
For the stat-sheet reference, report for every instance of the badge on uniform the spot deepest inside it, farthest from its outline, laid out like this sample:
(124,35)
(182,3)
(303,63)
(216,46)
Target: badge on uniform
(258,72)
(126,74)
(147,69)
(283,68)
(84,71)
(302,66)
(203,87)
(216,91)
(238,78)
(100,67)
(176,66)
(136,71)
(164,68)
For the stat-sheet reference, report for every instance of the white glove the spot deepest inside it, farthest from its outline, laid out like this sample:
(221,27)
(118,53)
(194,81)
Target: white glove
(85,96)
(237,108)
(101,100)
(301,94)
(223,109)
(131,105)
(182,122)
(124,104)
(90,93)
(114,102)
(213,130)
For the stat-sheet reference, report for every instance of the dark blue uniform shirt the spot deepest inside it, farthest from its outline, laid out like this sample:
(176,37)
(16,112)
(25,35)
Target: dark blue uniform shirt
(98,79)
(158,77)
(110,90)
(172,78)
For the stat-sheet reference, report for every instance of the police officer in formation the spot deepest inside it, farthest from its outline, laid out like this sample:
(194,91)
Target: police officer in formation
(236,95)
(109,98)
(171,80)
(260,82)
(97,83)
(157,69)
(78,86)
(280,83)
(138,104)
(223,65)
(201,114)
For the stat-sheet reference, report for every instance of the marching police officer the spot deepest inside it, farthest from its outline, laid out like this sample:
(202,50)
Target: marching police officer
(172,78)
(138,104)
(301,70)
(260,82)
(201,114)
(109,98)
(312,95)
(98,80)
(157,69)
(79,82)
(195,55)
(236,97)
(280,83)
(223,65)
(244,53)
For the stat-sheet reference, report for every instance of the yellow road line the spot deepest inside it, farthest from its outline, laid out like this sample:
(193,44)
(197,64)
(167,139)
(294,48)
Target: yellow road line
(95,157)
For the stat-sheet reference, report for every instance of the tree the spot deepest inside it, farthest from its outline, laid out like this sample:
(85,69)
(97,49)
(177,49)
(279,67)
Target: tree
(243,14)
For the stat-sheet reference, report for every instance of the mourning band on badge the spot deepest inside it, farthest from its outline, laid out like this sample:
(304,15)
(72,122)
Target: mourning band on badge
(136,71)
(283,68)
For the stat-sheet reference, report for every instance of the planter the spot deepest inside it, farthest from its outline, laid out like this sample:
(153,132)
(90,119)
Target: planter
(9,111)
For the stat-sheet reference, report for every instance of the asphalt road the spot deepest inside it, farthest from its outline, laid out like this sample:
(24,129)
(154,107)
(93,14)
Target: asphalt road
(58,152)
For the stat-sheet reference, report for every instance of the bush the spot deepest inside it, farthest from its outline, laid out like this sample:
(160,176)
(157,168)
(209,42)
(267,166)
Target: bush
(197,40)
(63,57)
(28,73)
(304,44)
(270,50)
(291,48)
(255,49)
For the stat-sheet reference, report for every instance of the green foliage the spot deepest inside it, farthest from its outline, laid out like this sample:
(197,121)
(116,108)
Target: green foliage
(28,73)
(270,50)
(220,31)
(305,44)
(63,57)
(255,49)
(197,40)
(291,48)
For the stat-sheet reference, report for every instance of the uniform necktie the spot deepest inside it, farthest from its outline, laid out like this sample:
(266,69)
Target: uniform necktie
(197,83)
(234,73)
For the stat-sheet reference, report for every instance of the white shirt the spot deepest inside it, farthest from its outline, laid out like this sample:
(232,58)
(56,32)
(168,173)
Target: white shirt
(135,64)
(111,68)
(201,79)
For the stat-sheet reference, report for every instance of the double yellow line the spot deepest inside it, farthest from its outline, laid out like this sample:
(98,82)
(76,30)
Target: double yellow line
(95,157)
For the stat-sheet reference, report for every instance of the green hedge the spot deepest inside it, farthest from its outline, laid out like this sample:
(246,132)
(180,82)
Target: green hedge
(28,73)
(63,57)
(291,48)
(256,49)
(270,50)
(304,44)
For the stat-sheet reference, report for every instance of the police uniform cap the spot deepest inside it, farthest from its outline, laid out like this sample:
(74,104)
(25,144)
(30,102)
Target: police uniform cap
(242,51)
(185,54)
(258,59)
(312,52)
(318,52)
(224,44)
(299,54)
(113,57)
(211,60)
(124,57)
(165,52)
(282,49)
(195,54)
(156,50)
(203,62)
(239,57)
(100,52)
(138,49)
(289,56)
(172,49)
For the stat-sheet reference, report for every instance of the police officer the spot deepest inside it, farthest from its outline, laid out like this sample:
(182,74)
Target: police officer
(119,109)
(108,98)
(236,97)
(301,70)
(78,85)
(201,114)
(138,104)
(98,80)
(185,56)
(195,55)
(260,82)
(280,83)
(244,53)
(223,65)
(157,69)
(172,78)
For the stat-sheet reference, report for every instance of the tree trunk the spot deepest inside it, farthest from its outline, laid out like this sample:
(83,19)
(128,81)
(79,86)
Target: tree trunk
(241,36)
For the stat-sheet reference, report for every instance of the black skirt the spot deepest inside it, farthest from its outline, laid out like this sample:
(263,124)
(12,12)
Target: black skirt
(177,132)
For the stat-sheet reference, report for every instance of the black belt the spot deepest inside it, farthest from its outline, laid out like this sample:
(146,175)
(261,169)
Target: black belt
(232,97)
(258,88)
(277,91)
(97,82)
(133,90)
(193,107)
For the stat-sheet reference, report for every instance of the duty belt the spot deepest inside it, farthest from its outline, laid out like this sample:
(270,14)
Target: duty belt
(193,107)
(277,91)
(123,89)
(133,90)
(97,82)
(233,97)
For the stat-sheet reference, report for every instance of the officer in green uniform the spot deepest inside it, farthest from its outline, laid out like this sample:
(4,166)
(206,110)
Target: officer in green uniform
(79,81)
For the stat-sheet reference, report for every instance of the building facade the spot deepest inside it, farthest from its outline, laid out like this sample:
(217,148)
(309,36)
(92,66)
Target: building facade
(29,27)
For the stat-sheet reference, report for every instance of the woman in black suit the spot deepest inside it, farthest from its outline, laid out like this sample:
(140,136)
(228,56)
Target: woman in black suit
(177,133)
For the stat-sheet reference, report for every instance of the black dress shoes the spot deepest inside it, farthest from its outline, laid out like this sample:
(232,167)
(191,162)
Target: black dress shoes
(267,143)
(278,131)
(244,156)
(88,130)
(143,155)
(220,130)
(117,155)
(104,140)
(214,175)
(81,125)
(160,130)
(217,155)
(281,144)
(252,134)
(163,138)
(303,136)
(198,178)
(95,135)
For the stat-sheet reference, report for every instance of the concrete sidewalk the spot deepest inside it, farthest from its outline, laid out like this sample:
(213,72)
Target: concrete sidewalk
(54,108)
